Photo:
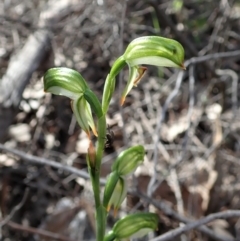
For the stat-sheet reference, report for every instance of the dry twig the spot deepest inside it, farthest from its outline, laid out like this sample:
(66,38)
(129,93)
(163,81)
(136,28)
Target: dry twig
(40,232)
(15,209)
(221,215)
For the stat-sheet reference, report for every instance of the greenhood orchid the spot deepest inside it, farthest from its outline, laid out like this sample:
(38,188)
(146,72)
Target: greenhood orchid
(133,226)
(116,186)
(118,195)
(128,160)
(68,82)
(64,81)
(148,50)
(83,114)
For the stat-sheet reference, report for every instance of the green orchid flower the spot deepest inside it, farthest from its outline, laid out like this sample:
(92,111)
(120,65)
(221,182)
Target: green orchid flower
(128,160)
(68,82)
(115,192)
(64,81)
(148,50)
(133,226)
(83,114)
(118,195)
(126,163)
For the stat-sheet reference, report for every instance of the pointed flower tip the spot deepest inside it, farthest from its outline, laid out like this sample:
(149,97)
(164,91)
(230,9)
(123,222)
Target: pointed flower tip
(122,100)
(115,191)
(94,131)
(183,66)
(115,212)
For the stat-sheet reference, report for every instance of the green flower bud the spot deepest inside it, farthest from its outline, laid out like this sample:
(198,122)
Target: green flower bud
(128,160)
(83,114)
(115,192)
(109,188)
(133,226)
(118,195)
(64,81)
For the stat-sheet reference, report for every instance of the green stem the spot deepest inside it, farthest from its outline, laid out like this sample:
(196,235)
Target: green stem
(95,178)
(102,126)
(109,86)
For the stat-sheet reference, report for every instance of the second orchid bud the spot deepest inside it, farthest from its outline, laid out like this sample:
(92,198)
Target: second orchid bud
(128,160)
(68,82)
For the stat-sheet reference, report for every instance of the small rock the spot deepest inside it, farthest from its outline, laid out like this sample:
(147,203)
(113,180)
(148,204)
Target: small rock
(20,132)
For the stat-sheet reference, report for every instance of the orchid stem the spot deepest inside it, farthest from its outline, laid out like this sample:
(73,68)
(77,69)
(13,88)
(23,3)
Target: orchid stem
(95,178)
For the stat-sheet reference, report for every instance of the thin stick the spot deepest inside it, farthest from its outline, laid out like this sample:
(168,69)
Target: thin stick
(40,232)
(176,232)
(200,59)
(15,209)
(44,161)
